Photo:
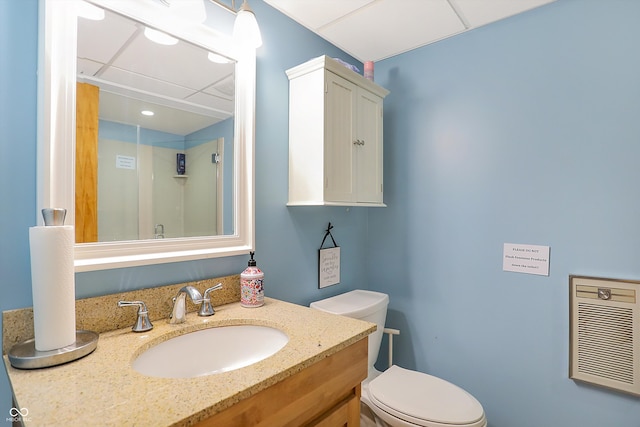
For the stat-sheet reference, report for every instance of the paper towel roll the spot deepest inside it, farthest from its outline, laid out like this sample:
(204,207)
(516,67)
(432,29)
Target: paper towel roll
(53,286)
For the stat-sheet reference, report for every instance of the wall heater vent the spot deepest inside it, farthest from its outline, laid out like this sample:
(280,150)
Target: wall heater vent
(604,333)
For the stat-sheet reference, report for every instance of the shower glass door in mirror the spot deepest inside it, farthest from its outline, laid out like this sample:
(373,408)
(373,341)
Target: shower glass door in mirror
(154,135)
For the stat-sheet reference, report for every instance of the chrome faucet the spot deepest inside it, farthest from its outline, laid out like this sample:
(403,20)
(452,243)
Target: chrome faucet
(206,309)
(179,312)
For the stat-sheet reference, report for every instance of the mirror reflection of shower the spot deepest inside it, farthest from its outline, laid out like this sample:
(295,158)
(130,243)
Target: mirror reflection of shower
(143,195)
(137,108)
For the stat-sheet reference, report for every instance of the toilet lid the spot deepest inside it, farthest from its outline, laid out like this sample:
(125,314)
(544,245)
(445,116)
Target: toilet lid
(420,398)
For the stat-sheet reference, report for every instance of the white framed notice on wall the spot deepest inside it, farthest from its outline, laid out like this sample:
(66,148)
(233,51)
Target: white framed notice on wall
(328,262)
(329,267)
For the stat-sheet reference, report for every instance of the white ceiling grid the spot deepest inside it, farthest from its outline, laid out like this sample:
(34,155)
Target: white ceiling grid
(372,30)
(186,91)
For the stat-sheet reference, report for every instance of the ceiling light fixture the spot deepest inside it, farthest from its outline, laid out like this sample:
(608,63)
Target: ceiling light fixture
(245,28)
(147,113)
(159,37)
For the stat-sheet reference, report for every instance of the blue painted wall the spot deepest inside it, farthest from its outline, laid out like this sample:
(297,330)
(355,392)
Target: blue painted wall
(18,62)
(287,239)
(524,131)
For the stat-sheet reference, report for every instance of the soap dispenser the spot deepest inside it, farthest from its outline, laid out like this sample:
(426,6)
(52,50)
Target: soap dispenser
(251,285)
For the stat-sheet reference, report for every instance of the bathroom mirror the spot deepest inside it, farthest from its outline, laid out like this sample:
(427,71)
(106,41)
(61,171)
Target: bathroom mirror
(213,127)
(165,134)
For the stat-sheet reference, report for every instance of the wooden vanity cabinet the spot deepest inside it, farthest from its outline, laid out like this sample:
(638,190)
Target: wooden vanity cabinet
(325,394)
(335,136)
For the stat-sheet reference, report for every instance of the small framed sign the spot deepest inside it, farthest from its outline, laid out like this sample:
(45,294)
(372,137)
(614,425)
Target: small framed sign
(328,262)
(329,267)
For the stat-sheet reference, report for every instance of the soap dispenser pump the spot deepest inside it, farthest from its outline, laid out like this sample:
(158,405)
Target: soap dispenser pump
(251,285)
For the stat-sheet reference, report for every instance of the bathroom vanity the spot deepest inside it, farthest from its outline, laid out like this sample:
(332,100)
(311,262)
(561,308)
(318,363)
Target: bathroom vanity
(313,380)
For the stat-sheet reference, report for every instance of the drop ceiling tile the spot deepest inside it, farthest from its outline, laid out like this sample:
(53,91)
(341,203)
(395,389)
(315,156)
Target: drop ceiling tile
(223,106)
(151,76)
(314,15)
(183,64)
(479,13)
(144,83)
(378,29)
(124,110)
(225,88)
(389,27)
(87,67)
(99,41)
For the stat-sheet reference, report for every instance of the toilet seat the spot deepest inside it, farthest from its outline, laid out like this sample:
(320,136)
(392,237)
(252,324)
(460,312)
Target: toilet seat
(423,400)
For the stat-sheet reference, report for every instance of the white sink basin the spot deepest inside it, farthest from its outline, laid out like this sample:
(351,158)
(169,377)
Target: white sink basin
(210,351)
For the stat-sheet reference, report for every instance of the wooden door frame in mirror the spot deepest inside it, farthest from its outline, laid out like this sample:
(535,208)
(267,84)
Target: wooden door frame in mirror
(57,48)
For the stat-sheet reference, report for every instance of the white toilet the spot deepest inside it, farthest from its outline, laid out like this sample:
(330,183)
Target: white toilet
(401,397)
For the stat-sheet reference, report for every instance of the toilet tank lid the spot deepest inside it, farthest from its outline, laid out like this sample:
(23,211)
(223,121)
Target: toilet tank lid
(357,304)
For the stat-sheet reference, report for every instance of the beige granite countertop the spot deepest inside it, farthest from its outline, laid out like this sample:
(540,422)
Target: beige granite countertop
(102,388)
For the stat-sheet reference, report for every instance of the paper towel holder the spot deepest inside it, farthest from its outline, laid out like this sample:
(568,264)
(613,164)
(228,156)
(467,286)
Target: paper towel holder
(25,356)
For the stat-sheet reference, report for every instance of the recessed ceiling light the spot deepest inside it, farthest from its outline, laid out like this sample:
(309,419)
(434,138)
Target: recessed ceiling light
(159,37)
(147,113)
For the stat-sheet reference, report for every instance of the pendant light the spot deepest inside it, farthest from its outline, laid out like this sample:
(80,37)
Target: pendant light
(245,27)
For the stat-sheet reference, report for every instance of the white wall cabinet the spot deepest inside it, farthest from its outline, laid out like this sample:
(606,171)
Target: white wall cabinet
(335,136)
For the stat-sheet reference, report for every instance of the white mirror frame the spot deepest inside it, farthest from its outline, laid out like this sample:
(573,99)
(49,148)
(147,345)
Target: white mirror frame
(56,136)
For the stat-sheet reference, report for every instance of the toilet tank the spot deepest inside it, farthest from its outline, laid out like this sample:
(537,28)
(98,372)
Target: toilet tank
(360,304)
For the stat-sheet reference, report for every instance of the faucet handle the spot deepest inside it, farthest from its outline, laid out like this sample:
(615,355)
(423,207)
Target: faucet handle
(206,309)
(142,322)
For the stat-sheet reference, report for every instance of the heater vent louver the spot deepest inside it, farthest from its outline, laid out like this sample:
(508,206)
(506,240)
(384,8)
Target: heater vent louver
(604,343)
